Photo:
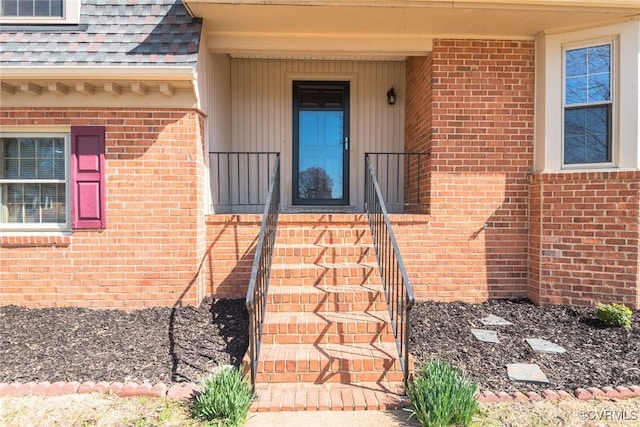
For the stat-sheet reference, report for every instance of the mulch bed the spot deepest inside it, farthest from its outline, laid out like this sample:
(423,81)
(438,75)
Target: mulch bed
(154,345)
(597,355)
(185,344)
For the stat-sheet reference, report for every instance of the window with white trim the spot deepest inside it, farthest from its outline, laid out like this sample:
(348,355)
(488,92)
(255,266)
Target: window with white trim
(588,105)
(40,11)
(34,181)
(603,100)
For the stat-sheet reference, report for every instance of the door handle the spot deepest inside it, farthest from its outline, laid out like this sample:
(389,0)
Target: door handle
(346,142)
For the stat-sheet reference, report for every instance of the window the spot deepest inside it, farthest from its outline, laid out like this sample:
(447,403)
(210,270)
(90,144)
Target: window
(53,181)
(588,105)
(33,181)
(32,8)
(40,11)
(588,100)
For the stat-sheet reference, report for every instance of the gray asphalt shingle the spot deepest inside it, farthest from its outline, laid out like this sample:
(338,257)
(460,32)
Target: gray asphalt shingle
(111,32)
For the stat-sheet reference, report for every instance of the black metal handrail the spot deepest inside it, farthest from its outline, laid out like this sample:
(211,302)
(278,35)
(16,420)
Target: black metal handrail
(259,282)
(395,282)
(402,179)
(240,180)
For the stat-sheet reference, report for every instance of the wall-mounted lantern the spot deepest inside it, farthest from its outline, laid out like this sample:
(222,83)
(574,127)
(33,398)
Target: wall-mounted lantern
(391,96)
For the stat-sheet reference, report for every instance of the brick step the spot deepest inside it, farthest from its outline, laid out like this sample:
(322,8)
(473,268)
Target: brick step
(327,327)
(323,235)
(347,273)
(321,253)
(279,397)
(343,363)
(333,219)
(325,298)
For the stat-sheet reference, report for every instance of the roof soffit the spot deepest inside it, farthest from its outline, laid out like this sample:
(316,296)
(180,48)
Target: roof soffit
(390,26)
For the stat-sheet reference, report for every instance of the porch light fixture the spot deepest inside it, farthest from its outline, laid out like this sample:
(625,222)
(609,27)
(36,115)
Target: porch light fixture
(391,96)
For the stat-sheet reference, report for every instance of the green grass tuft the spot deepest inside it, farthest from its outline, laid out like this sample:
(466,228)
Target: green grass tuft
(225,398)
(442,395)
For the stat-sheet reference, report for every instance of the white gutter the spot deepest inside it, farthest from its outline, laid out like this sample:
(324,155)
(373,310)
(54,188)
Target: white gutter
(91,72)
(578,4)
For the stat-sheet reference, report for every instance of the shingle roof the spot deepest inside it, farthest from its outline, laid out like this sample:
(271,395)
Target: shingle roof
(110,33)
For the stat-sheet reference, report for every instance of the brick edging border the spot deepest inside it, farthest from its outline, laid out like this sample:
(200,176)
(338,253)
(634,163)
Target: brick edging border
(548,394)
(186,390)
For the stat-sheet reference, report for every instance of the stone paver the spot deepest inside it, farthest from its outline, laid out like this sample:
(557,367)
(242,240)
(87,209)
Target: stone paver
(485,335)
(544,346)
(493,320)
(526,372)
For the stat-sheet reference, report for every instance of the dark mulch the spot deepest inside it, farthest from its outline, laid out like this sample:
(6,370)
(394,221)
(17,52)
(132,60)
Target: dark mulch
(596,355)
(156,345)
(185,344)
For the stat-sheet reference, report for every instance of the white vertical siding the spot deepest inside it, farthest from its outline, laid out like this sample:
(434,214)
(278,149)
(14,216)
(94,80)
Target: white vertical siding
(204,92)
(261,110)
(216,104)
(219,115)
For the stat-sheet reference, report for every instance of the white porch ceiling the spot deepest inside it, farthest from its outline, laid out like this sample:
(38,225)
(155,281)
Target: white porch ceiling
(388,28)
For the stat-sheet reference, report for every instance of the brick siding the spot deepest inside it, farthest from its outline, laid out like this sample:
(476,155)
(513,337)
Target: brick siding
(554,237)
(150,252)
(584,238)
(231,241)
(418,126)
(481,139)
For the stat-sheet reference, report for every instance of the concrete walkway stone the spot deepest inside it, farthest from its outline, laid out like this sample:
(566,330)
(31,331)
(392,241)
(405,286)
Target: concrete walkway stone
(526,372)
(544,346)
(396,418)
(485,335)
(493,320)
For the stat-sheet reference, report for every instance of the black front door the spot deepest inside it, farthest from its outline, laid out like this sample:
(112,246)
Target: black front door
(320,143)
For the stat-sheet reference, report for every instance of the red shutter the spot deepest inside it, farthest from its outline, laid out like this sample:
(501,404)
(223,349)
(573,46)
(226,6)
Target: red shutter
(88,195)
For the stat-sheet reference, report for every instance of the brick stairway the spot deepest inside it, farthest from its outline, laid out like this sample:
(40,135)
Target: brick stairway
(327,341)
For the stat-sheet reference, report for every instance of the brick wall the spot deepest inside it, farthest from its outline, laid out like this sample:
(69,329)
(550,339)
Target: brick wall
(585,237)
(200,279)
(231,241)
(418,124)
(481,140)
(151,250)
(535,242)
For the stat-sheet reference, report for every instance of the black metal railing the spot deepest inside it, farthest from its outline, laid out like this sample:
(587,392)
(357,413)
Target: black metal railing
(397,288)
(403,180)
(239,180)
(259,282)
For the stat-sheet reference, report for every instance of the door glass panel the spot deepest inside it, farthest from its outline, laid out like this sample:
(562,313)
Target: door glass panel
(321,145)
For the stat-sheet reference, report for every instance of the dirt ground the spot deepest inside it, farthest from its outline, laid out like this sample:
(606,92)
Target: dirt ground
(105,410)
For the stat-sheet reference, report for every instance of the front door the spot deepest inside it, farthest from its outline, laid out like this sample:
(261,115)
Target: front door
(320,143)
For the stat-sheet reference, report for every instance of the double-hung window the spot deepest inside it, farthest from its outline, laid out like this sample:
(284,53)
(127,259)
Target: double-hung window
(53,181)
(588,105)
(40,11)
(32,8)
(34,181)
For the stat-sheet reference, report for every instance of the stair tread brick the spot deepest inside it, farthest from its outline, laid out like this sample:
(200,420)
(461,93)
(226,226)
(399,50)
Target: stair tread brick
(328,317)
(325,289)
(322,245)
(324,351)
(329,396)
(324,265)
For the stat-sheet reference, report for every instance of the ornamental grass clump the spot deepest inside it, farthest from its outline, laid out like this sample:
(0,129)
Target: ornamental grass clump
(615,315)
(225,398)
(442,395)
